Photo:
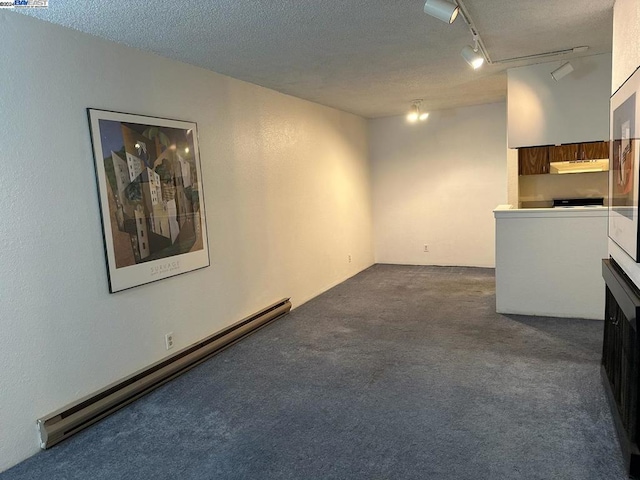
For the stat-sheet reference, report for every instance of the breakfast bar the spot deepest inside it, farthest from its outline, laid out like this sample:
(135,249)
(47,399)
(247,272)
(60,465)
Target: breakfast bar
(548,261)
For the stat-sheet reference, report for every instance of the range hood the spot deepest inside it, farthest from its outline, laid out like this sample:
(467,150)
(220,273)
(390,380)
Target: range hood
(580,166)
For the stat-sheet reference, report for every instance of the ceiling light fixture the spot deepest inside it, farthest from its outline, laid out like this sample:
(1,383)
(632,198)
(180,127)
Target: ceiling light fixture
(464,13)
(471,54)
(414,112)
(562,71)
(442,10)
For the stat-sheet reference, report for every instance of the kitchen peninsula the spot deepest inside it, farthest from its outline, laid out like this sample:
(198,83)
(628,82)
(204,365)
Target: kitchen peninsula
(548,261)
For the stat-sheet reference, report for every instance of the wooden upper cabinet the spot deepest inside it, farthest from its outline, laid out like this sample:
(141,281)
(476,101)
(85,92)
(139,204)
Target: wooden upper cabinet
(563,153)
(594,150)
(533,160)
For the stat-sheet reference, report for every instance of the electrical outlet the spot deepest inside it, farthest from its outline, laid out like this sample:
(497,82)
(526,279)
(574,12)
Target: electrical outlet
(349,258)
(168,340)
(426,248)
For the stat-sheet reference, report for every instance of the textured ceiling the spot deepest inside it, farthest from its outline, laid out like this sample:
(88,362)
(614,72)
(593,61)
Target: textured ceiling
(369,57)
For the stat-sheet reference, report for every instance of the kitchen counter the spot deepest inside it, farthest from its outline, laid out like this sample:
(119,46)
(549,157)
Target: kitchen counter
(508,211)
(548,261)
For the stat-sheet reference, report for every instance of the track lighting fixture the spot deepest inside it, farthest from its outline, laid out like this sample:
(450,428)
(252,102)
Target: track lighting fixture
(414,112)
(562,71)
(442,10)
(472,55)
(476,56)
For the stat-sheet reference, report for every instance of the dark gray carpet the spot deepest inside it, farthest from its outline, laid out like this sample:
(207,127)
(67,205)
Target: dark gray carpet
(399,373)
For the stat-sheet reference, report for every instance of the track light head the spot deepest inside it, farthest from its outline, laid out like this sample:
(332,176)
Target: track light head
(442,10)
(562,71)
(472,56)
(415,114)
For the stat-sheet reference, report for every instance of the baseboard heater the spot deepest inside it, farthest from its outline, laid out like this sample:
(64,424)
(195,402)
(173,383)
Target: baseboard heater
(69,420)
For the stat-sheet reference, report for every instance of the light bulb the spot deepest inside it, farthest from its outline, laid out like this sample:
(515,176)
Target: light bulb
(414,113)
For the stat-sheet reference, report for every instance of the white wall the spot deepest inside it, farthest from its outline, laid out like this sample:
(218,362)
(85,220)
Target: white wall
(626,51)
(286,185)
(546,187)
(575,109)
(626,58)
(437,183)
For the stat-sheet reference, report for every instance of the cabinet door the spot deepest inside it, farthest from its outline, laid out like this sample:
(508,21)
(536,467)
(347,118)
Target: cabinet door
(533,160)
(563,153)
(594,150)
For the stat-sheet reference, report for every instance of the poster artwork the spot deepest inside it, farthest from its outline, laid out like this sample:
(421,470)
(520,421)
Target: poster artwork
(151,201)
(623,157)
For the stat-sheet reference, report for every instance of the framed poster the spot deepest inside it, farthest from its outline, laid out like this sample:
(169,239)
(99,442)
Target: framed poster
(151,197)
(624,168)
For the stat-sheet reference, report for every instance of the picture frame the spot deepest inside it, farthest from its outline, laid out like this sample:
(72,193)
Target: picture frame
(624,170)
(151,197)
